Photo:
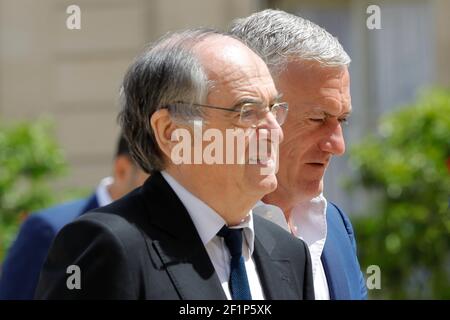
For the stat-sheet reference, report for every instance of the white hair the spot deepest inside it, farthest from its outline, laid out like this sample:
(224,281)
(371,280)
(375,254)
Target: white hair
(279,37)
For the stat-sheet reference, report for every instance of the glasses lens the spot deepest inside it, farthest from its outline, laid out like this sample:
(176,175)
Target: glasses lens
(249,114)
(280,110)
(252,114)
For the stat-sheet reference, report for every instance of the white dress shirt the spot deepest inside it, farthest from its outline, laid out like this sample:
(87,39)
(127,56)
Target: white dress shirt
(208,223)
(102,193)
(308,222)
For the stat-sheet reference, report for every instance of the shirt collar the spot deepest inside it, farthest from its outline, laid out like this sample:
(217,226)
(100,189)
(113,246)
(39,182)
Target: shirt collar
(207,221)
(102,193)
(308,220)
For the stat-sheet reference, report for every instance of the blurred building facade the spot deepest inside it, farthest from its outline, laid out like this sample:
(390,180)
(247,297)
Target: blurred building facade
(74,75)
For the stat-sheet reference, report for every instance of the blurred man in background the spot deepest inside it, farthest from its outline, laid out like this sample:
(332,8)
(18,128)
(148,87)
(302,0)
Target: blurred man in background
(310,69)
(22,266)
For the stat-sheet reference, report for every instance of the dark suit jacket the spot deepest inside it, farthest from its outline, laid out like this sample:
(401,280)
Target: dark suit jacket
(339,259)
(23,264)
(145,246)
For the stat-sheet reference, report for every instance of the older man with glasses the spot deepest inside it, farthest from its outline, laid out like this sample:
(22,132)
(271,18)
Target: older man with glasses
(189,232)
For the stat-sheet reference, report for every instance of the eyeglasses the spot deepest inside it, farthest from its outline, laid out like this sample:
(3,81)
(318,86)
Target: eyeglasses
(251,114)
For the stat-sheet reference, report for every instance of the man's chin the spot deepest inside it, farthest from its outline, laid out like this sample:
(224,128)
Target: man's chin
(310,189)
(268,183)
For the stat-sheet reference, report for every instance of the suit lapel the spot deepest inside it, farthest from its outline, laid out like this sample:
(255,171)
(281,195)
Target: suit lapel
(178,245)
(274,270)
(337,278)
(192,273)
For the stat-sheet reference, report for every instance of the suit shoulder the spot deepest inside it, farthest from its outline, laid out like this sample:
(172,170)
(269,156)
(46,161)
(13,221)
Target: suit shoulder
(126,212)
(102,246)
(57,216)
(109,223)
(126,207)
(35,228)
(99,232)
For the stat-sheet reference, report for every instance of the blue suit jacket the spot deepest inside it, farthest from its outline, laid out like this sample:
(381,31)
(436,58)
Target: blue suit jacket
(23,264)
(339,259)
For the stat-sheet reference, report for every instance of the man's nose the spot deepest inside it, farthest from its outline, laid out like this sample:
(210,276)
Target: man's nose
(333,142)
(270,123)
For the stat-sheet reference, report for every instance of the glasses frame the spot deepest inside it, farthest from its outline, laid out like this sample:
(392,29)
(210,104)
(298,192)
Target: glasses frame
(283,105)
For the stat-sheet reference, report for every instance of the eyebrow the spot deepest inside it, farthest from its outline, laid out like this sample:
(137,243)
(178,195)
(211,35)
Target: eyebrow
(320,109)
(277,98)
(243,101)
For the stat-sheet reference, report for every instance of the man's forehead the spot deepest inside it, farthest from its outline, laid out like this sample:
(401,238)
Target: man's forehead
(219,47)
(333,104)
(234,70)
(246,91)
(316,88)
(223,55)
(314,73)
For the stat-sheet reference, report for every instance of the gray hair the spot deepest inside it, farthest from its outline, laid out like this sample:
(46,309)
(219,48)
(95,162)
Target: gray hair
(165,73)
(280,37)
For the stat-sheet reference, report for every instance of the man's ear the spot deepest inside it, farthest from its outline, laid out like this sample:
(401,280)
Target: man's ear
(163,126)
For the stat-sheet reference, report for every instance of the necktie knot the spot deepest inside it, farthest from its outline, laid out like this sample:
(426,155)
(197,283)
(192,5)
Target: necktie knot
(233,240)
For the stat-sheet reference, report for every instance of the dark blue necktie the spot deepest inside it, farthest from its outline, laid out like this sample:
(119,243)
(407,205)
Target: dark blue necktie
(238,281)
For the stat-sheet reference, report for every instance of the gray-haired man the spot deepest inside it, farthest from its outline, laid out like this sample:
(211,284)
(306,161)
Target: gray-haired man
(310,69)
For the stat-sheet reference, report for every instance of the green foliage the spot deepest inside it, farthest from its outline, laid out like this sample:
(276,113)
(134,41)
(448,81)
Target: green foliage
(29,156)
(406,230)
